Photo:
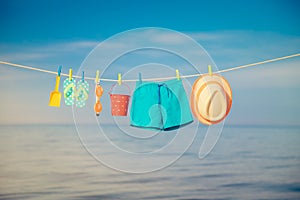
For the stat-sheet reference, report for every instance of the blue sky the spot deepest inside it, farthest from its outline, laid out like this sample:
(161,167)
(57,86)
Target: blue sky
(46,34)
(38,21)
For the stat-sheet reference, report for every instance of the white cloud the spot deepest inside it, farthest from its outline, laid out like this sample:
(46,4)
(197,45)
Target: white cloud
(81,44)
(168,38)
(34,52)
(283,74)
(206,36)
(227,48)
(242,47)
(23,56)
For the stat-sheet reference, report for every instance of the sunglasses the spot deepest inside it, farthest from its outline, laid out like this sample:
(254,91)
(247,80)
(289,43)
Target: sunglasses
(98,105)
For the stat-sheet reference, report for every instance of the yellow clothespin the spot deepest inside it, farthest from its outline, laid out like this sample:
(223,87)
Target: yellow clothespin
(209,70)
(119,78)
(70,74)
(97,77)
(177,74)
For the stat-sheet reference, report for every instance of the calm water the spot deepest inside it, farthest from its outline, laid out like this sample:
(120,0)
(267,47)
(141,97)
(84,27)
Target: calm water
(49,162)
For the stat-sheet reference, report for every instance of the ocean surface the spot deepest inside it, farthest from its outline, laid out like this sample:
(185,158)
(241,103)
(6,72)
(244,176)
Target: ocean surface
(248,162)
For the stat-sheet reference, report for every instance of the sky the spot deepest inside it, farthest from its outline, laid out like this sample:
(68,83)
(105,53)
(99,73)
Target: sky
(46,34)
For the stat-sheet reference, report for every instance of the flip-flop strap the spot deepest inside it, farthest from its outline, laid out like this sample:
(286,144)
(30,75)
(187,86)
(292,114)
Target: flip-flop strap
(70,86)
(84,93)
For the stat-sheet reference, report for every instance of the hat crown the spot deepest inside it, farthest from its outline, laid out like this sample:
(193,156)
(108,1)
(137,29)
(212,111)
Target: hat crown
(212,103)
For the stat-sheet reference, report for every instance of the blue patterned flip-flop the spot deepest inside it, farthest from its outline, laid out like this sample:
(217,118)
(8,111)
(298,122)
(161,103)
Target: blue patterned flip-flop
(82,91)
(69,91)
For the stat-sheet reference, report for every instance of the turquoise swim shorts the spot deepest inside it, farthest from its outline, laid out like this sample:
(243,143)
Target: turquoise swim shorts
(162,106)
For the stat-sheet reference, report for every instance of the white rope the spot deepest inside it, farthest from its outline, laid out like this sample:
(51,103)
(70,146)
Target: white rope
(152,79)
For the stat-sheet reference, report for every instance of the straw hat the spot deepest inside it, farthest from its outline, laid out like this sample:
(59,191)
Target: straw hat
(211,99)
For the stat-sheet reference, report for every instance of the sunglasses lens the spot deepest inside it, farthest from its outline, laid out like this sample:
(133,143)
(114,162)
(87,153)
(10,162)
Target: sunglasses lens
(98,107)
(99,91)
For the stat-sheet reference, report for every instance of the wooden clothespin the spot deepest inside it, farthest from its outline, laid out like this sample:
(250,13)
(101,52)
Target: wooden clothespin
(97,80)
(70,74)
(177,74)
(119,78)
(209,70)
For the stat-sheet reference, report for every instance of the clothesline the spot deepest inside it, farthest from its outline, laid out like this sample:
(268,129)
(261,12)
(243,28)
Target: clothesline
(152,79)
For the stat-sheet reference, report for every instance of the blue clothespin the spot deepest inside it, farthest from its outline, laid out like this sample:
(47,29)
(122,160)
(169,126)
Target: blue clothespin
(59,70)
(140,77)
(82,78)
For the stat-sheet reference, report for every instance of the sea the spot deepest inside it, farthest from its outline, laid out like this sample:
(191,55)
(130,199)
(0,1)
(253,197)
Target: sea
(248,162)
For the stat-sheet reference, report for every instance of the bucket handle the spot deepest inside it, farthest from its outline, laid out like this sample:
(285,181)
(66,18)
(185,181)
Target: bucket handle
(122,84)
